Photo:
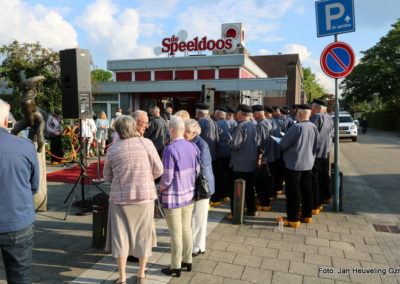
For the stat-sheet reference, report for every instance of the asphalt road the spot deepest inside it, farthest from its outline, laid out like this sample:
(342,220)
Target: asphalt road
(372,175)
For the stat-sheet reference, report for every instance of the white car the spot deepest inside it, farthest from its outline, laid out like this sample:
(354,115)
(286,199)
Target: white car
(347,127)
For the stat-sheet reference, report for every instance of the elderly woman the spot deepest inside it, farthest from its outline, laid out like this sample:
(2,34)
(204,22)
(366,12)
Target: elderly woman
(131,166)
(200,210)
(102,125)
(177,193)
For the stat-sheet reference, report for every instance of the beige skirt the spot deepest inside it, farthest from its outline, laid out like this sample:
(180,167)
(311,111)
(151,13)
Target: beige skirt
(131,230)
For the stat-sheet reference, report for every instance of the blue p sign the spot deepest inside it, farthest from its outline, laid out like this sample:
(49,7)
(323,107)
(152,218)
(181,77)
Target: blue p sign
(334,17)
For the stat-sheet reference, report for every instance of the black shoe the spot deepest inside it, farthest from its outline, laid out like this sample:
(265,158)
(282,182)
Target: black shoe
(131,258)
(187,265)
(173,272)
(197,253)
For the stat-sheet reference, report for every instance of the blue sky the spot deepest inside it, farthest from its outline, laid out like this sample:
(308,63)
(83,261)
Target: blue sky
(118,29)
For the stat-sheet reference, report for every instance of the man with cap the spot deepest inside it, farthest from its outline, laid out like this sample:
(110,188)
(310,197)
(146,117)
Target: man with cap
(244,156)
(263,178)
(299,147)
(279,168)
(223,155)
(53,131)
(288,119)
(321,179)
(209,131)
(230,117)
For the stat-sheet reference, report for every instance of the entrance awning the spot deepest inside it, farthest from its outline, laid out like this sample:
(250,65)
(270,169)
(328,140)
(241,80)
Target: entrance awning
(191,85)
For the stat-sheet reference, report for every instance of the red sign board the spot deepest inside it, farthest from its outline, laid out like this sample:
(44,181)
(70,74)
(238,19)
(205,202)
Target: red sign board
(173,45)
(337,59)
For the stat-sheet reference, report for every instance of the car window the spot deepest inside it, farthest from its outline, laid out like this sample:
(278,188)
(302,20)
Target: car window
(345,119)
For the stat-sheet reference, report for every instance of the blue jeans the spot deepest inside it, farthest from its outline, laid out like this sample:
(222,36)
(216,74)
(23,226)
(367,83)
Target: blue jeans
(16,249)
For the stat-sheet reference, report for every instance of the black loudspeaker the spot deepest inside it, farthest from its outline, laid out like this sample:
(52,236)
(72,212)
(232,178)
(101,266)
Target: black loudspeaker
(207,95)
(76,84)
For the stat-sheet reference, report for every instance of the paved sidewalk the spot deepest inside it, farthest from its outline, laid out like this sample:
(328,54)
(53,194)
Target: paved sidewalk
(255,252)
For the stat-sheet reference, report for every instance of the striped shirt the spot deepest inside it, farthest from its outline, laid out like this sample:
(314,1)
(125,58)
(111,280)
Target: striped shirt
(181,166)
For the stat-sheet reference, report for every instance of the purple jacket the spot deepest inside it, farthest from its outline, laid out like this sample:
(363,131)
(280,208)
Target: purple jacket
(180,160)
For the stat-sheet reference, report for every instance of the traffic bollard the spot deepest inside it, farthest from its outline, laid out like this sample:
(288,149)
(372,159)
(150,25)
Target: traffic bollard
(238,201)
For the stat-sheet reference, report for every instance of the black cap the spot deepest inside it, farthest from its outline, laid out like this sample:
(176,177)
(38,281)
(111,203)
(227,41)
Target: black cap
(268,109)
(221,108)
(57,111)
(275,108)
(295,106)
(319,102)
(304,106)
(257,108)
(202,106)
(284,111)
(230,109)
(244,108)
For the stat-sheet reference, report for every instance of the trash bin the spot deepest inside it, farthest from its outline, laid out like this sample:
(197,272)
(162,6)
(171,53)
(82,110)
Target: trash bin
(100,216)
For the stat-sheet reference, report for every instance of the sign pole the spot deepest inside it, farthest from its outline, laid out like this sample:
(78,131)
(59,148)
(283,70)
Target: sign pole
(337,182)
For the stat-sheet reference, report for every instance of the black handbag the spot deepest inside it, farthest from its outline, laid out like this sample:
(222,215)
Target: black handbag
(202,190)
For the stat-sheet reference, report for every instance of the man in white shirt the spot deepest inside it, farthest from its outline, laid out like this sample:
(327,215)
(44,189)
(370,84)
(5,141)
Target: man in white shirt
(88,133)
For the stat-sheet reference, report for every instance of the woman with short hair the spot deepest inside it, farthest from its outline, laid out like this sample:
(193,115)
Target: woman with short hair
(200,210)
(177,186)
(131,166)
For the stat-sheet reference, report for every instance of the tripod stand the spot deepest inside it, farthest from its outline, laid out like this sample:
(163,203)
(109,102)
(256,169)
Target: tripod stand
(84,204)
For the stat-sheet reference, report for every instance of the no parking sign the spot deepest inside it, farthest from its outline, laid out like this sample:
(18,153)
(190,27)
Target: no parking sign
(337,59)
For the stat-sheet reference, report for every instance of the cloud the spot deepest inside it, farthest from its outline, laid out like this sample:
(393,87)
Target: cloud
(264,52)
(302,50)
(35,23)
(272,39)
(261,17)
(300,10)
(113,31)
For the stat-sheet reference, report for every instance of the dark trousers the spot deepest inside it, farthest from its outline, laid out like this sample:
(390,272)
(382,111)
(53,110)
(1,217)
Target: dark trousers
(298,192)
(56,148)
(221,175)
(323,180)
(364,129)
(249,195)
(278,172)
(264,184)
(16,250)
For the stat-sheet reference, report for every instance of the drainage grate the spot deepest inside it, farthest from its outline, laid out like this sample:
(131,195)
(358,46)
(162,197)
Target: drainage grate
(386,229)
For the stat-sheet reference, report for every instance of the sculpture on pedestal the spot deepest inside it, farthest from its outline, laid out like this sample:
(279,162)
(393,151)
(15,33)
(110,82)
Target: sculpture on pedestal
(33,115)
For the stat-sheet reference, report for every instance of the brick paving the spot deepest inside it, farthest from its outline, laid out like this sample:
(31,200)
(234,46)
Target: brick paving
(256,252)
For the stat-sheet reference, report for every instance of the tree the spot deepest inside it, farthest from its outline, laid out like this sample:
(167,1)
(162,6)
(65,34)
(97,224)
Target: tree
(312,89)
(100,75)
(378,73)
(35,60)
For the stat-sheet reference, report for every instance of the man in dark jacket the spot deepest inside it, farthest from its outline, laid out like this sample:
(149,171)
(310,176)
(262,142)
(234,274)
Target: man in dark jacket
(156,130)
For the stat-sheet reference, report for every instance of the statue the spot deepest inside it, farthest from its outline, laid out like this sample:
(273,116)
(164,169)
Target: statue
(34,118)
(33,115)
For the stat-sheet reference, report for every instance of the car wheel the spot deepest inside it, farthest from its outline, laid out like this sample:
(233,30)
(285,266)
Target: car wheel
(354,139)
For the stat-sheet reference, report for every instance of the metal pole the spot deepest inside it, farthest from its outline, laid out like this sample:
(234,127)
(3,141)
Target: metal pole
(337,182)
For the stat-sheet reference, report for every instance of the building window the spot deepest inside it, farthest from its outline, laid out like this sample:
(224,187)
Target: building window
(143,76)
(124,76)
(232,73)
(163,75)
(208,74)
(184,75)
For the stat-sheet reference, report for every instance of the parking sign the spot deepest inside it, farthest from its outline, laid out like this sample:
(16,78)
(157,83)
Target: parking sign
(334,17)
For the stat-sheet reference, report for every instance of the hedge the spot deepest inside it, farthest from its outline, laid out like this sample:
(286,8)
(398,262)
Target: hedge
(384,119)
